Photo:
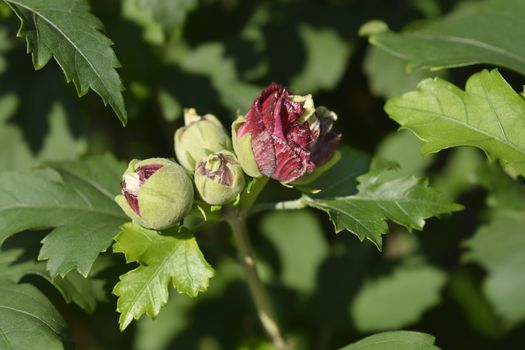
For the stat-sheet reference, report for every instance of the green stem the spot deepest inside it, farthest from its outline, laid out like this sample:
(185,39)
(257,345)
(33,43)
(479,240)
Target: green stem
(259,292)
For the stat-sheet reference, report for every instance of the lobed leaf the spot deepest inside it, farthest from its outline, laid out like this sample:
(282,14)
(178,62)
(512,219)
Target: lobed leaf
(83,291)
(162,259)
(486,32)
(80,210)
(407,201)
(488,114)
(67,31)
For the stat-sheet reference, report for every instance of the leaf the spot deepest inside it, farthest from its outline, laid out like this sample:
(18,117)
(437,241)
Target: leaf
(287,231)
(162,259)
(327,56)
(67,31)
(171,14)
(80,210)
(407,201)
(28,319)
(497,247)
(489,115)
(487,32)
(85,292)
(387,76)
(398,340)
(398,299)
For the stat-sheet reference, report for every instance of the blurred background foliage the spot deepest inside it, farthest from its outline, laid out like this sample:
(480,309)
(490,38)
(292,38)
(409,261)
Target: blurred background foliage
(216,55)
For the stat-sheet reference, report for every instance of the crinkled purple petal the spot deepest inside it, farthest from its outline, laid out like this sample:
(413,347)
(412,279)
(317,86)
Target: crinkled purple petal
(280,145)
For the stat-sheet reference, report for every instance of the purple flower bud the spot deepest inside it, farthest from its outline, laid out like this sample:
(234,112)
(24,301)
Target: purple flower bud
(157,193)
(285,145)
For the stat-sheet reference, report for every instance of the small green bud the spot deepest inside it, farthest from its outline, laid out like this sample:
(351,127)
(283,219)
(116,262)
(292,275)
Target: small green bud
(219,178)
(157,193)
(243,149)
(199,137)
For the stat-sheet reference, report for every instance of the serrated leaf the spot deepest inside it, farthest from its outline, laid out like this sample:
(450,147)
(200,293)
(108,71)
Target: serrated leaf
(67,31)
(80,209)
(162,259)
(489,115)
(28,320)
(398,340)
(407,201)
(85,292)
(397,300)
(486,32)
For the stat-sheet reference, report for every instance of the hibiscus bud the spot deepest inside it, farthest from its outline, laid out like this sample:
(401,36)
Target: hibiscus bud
(199,137)
(219,178)
(283,136)
(156,193)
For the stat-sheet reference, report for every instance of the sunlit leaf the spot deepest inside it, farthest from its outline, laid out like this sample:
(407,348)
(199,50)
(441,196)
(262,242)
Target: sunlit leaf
(67,31)
(488,114)
(163,260)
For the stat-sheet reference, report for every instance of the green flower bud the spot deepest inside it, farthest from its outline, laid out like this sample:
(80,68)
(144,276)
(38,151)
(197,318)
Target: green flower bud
(156,193)
(219,178)
(199,137)
(243,149)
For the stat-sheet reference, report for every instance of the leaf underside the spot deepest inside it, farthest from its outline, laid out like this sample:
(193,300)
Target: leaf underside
(162,259)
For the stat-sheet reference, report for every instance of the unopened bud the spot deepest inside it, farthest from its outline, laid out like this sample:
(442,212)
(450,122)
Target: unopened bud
(199,137)
(219,178)
(157,193)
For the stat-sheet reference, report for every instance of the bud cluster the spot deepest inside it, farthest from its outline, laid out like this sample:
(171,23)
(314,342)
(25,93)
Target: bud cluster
(282,136)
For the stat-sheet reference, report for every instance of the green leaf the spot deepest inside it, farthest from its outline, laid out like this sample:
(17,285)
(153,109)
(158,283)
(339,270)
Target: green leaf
(80,209)
(387,75)
(327,56)
(162,259)
(407,201)
(85,292)
(397,300)
(28,319)
(171,14)
(463,38)
(287,231)
(496,246)
(67,31)
(489,115)
(398,340)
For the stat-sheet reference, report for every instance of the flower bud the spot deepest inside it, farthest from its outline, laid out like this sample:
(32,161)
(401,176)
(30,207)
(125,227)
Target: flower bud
(219,178)
(199,137)
(156,193)
(283,136)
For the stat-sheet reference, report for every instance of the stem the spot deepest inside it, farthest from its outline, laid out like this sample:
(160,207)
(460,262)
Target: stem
(259,292)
